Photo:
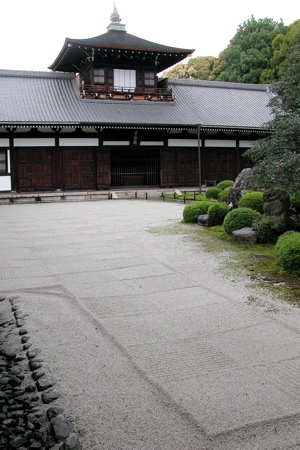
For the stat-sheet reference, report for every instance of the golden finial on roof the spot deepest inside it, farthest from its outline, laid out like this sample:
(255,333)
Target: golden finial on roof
(115,16)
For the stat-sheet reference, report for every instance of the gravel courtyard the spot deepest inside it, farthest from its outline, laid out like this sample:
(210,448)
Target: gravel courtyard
(150,346)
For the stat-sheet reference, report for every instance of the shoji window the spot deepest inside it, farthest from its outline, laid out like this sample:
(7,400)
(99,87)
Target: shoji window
(124,80)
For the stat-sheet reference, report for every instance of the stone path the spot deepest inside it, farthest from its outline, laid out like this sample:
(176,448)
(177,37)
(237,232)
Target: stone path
(149,346)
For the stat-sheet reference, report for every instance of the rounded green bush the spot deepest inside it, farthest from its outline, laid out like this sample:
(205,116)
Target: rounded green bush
(224,184)
(223,196)
(268,229)
(217,213)
(212,192)
(239,218)
(287,252)
(194,209)
(252,200)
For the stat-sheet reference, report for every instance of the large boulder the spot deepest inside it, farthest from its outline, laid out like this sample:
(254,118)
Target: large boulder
(243,180)
(234,196)
(276,204)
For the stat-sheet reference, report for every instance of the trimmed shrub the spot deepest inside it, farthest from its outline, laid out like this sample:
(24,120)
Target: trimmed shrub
(217,213)
(224,184)
(212,192)
(239,218)
(287,252)
(268,229)
(194,209)
(223,196)
(252,200)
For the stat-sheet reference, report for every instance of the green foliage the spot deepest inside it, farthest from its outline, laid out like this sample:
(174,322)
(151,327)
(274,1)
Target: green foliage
(194,209)
(203,65)
(294,222)
(252,200)
(239,218)
(277,157)
(217,213)
(199,68)
(181,70)
(212,192)
(268,228)
(223,196)
(295,203)
(281,46)
(250,50)
(287,252)
(224,184)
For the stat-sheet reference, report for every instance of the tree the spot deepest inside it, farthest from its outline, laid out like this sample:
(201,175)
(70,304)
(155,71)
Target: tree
(203,66)
(180,71)
(277,157)
(249,52)
(281,45)
(199,68)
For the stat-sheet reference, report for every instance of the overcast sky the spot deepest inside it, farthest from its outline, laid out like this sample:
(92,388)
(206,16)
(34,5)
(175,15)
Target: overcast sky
(32,32)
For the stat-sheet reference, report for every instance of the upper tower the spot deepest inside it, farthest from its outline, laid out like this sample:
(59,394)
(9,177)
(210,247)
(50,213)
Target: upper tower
(117,64)
(115,21)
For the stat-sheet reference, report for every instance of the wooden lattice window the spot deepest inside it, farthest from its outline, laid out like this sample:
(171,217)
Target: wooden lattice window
(99,76)
(149,78)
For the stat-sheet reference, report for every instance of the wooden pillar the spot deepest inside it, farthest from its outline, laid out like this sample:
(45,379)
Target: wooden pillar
(199,156)
(238,158)
(13,165)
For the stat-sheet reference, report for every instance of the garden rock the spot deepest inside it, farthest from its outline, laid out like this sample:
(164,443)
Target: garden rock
(234,196)
(203,220)
(71,443)
(23,422)
(243,180)
(276,205)
(244,235)
(61,428)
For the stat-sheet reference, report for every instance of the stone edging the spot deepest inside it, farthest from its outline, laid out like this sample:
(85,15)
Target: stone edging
(26,389)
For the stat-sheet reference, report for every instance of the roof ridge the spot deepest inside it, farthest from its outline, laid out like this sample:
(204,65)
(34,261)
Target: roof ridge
(218,84)
(35,74)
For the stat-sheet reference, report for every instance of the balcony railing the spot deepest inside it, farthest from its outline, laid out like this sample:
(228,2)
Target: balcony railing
(127,93)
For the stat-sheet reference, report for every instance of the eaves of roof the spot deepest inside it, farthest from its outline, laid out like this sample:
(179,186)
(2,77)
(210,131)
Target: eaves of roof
(74,50)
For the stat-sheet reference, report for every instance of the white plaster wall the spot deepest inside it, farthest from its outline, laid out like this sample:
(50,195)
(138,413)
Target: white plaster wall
(220,143)
(78,142)
(183,142)
(158,143)
(5,183)
(4,142)
(116,142)
(34,142)
(246,144)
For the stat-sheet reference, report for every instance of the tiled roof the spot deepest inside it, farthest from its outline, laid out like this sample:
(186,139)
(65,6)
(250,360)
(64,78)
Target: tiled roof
(75,50)
(46,98)
(124,40)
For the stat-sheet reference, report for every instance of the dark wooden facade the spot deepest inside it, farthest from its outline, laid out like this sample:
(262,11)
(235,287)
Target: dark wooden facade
(106,166)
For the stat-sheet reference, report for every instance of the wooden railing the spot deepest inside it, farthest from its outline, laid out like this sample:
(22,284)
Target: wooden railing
(109,92)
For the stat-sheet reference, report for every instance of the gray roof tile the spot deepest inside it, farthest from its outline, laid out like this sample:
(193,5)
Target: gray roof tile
(46,98)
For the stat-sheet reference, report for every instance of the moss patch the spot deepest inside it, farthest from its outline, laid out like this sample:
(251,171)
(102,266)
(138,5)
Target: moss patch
(254,262)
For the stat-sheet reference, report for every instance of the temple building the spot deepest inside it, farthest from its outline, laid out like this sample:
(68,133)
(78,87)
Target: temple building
(102,118)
